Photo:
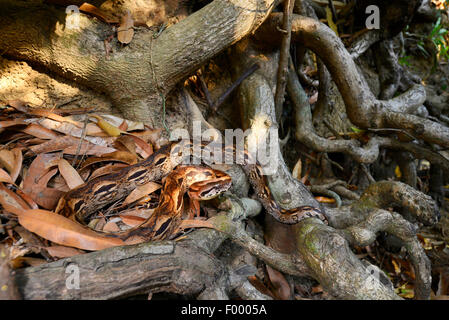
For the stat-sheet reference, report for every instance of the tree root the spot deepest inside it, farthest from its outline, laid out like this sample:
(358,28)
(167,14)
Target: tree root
(372,113)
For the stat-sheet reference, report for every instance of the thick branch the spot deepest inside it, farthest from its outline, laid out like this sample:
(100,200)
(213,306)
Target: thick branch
(133,76)
(363,109)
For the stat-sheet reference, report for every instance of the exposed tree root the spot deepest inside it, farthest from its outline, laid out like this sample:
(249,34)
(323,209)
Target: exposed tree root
(372,113)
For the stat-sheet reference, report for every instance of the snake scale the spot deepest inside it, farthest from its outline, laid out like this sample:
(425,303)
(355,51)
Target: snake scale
(201,182)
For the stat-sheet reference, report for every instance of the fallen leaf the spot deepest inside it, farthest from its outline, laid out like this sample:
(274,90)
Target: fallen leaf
(260,286)
(53,116)
(297,169)
(111,226)
(125,31)
(280,287)
(5,177)
(62,251)
(7,159)
(19,105)
(11,202)
(132,221)
(11,123)
(39,131)
(61,230)
(110,129)
(71,176)
(27,198)
(313,98)
(141,191)
(88,149)
(74,131)
(97,13)
(69,145)
(147,149)
(37,177)
(125,143)
(123,126)
(325,200)
(18,159)
(118,121)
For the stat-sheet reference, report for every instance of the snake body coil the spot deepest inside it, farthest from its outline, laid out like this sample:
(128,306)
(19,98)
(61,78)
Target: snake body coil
(201,183)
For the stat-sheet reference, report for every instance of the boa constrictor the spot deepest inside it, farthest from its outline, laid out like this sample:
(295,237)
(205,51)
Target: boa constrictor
(200,182)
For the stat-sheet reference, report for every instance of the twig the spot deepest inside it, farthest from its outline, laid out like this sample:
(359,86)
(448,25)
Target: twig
(223,97)
(283,58)
(334,13)
(367,173)
(206,91)
(334,132)
(83,135)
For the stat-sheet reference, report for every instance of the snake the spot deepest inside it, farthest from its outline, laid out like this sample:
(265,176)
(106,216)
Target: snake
(200,182)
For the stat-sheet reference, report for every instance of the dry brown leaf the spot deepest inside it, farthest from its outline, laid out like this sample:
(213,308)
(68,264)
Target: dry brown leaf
(74,131)
(146,149)
(71,176)
(62,251)
(69,145)
(39,131)
(325,200)
(61,230)
(11,123)
(125,143)
(53,116)
(135,217)
(7,159)
(11,202)
(260,286)
(280,287)
(141,191)
(297,170)
(152,136)
(132,221)
(125,31)
(313,98)
(111,226)
(193,223)
(56,144)
(88,149)
(5,177)
(123,126)
(27,198)
(18,159)
(97,13)
(19,105)
(37,177)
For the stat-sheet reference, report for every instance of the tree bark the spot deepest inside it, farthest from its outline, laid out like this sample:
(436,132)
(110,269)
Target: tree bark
(138,76)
